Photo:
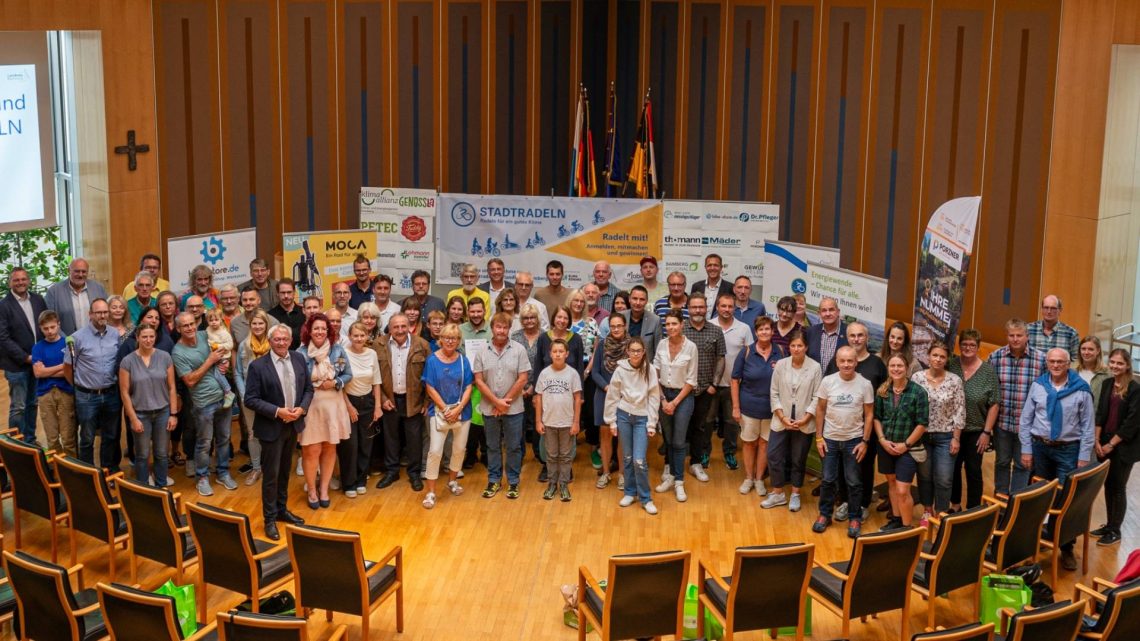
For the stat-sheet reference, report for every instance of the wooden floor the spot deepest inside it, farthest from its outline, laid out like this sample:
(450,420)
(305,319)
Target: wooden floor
(481,569)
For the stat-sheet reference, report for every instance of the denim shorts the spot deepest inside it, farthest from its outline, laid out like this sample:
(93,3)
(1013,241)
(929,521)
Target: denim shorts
(903,467)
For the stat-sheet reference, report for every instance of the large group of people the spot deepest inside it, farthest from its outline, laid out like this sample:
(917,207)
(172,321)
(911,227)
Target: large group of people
(437,385)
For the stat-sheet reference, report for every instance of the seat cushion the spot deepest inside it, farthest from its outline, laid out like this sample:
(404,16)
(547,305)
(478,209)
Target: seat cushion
(189,548)
(594,602)
(717,594)
(828,585)
(920,578)
(93,623)
(277,566)
(380,581)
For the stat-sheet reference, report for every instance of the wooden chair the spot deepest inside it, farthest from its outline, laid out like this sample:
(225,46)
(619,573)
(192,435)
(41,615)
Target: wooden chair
(330,573)
(745,600)
(1072,513)
(876,578)
(156,528)
(967,632)
(953,560)
(34,489)
(49,610)
(230,558)
(1018,532)
(5,484)
(1114,615)
(7,597)
(644,597)
(245,626)
(133,614)
(1055,622)
(94,510)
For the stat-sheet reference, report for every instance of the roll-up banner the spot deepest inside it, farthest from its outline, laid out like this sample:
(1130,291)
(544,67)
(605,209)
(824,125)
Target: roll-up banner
(736,231)
(227,253)
(316,260)
(860,297)
(786,270)
(529,231)
(943,261)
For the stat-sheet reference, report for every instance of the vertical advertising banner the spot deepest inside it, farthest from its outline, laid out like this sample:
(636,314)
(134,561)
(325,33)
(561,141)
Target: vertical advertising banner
(861,298)
(786,269)
(227,253)
(734,230)
(404,222)
(943,260)
(529,231)
(316,260)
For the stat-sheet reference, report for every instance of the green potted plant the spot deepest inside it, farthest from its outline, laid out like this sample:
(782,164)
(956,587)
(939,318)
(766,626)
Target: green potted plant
(40,251)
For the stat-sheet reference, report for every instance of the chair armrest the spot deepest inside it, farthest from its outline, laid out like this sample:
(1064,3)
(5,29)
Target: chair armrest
(927,557)
(832,571)
(1038,479)
(994,500)
(115,476)
(999,533)
(204,631)
(337,635)
(179,508)
(1006,615)
(270,552)
(1055,512)
(1080,587)
(82,612)
(704,571)
(1104,583)
(587,580)
(76,571)
(396,553)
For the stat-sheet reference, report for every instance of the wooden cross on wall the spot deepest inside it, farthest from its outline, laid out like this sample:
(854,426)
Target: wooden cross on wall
(131,149)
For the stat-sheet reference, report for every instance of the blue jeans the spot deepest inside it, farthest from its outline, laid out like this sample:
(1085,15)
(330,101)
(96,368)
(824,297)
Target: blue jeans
(675,429)
(211,422)
(840,454)
(504,429)
(153,433)
(634,441)
(936,474)
(1055,462)
(99,415)
(22,407)
(1007,451)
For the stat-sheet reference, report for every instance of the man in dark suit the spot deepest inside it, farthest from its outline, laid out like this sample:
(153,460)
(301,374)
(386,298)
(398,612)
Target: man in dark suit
(825,339)
(278,392)
(713,286)
(19,330)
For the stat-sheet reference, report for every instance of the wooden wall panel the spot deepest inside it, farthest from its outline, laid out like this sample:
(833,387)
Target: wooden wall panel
(414,93)
(701,119)
(794,89)
(595,75)
(509,90)
(463,95)
(628,82)
(664,61)
(746,95)
(557,97)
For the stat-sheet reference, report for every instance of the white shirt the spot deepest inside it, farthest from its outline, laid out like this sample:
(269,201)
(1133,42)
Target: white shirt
(347,318)
(494,293)
(284,367)
(736,338)
(386,314)
(400,364)
(81,304)
(26,305)
(845,401)
(677,372)
(543,315)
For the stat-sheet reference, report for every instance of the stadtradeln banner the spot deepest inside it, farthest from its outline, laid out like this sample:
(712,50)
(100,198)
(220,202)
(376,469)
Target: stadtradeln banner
(943,260)
(786,269)
(316,260)
(529,231)
(404,222)
(734,230)
(861,298)
(227,253)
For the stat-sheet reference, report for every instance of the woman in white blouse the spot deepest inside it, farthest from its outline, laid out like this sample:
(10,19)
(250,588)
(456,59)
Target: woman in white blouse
(947,397)
(355,452)
(794,382)
(676,363)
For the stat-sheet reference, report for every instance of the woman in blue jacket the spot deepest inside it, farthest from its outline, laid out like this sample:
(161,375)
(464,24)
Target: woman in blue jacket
(327,421)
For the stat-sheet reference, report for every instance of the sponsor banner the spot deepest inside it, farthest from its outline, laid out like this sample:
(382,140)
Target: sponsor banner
(529,231)
(692,266)
(786,268)
(861,298)
(227,253)
(405,202)
(760,218)
(401,280)
(398,228)
(408,255)
(316,260)
(736,231)
(943,261)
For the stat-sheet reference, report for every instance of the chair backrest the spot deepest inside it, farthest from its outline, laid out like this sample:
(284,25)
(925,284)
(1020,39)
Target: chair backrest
(961,546)
(88,497)
(329,568)
(30,475)
(1022,522)
(1055,622)
(1076,500)
(247,626)
(152,522)
(880,570)
(645,595)
(45,599)
(134,614)
(225,547)
(755,570)
(967,632)
(1120,617)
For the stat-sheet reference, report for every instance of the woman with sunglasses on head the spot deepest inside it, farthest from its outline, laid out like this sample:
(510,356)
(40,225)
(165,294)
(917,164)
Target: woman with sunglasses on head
(785,324)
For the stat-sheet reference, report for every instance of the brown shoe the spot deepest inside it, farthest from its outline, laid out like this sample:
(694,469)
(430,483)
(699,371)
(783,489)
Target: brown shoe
(1068,560)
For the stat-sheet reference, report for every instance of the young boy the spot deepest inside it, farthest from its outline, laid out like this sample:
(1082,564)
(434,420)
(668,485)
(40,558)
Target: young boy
(557,408)
(56,396)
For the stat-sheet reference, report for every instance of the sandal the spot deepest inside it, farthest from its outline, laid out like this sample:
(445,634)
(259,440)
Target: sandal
(455,488)
(429,501)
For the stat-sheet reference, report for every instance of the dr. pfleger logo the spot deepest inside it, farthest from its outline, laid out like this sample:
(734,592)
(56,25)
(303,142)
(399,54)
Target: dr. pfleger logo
(463,214)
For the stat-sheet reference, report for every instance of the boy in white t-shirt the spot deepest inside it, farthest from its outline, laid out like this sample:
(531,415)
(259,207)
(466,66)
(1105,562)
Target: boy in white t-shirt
(847,405)
(557,408)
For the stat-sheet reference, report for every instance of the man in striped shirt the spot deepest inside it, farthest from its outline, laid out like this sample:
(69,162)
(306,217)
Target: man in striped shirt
(1017,366)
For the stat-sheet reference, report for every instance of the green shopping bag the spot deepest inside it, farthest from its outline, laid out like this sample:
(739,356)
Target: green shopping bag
(1002,591)
(714,631)
(476,398)
(791,631)
(185,605)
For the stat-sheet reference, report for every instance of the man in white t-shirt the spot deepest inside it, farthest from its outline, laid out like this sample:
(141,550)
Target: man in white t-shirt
(847,405)
(737,337)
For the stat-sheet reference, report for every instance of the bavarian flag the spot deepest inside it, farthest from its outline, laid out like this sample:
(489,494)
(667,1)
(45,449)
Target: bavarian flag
(583,180)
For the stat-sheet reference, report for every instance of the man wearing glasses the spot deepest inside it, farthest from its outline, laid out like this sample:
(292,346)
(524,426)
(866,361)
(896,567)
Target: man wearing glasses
(1049,332)
(362,284)
(524,285)
(89,365)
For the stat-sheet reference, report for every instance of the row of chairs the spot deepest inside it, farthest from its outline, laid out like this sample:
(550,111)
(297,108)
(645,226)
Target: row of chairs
(645,593)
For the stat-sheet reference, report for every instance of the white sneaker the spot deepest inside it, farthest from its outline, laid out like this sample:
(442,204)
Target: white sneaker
(350,494)
(761,489)
(429,501)
(699,472)
(666,483)
(746,486)
(679,489)
(650,507)
(455,488)
(360,489)
(300,470)
(841,512)
(775,499)
(794,503)
(621,481)
(603,481)
(459,474)
(626,501)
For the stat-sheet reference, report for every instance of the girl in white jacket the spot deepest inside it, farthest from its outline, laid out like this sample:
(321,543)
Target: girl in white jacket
(631,407)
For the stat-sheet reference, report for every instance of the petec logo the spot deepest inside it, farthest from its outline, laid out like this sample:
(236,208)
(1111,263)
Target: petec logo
(463,214)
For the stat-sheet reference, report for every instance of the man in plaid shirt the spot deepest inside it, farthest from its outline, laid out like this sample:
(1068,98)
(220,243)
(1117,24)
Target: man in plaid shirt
(1017,365)
(1050,332)
(709,339)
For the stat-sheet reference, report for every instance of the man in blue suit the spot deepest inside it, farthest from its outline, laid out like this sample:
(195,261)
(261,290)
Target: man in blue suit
(19,330)
(277,391)
(825,339)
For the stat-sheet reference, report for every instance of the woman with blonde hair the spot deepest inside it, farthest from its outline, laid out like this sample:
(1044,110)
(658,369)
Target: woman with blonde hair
(1117,440)
(1090,366)
(253,347)
(118,317)
(448,382)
